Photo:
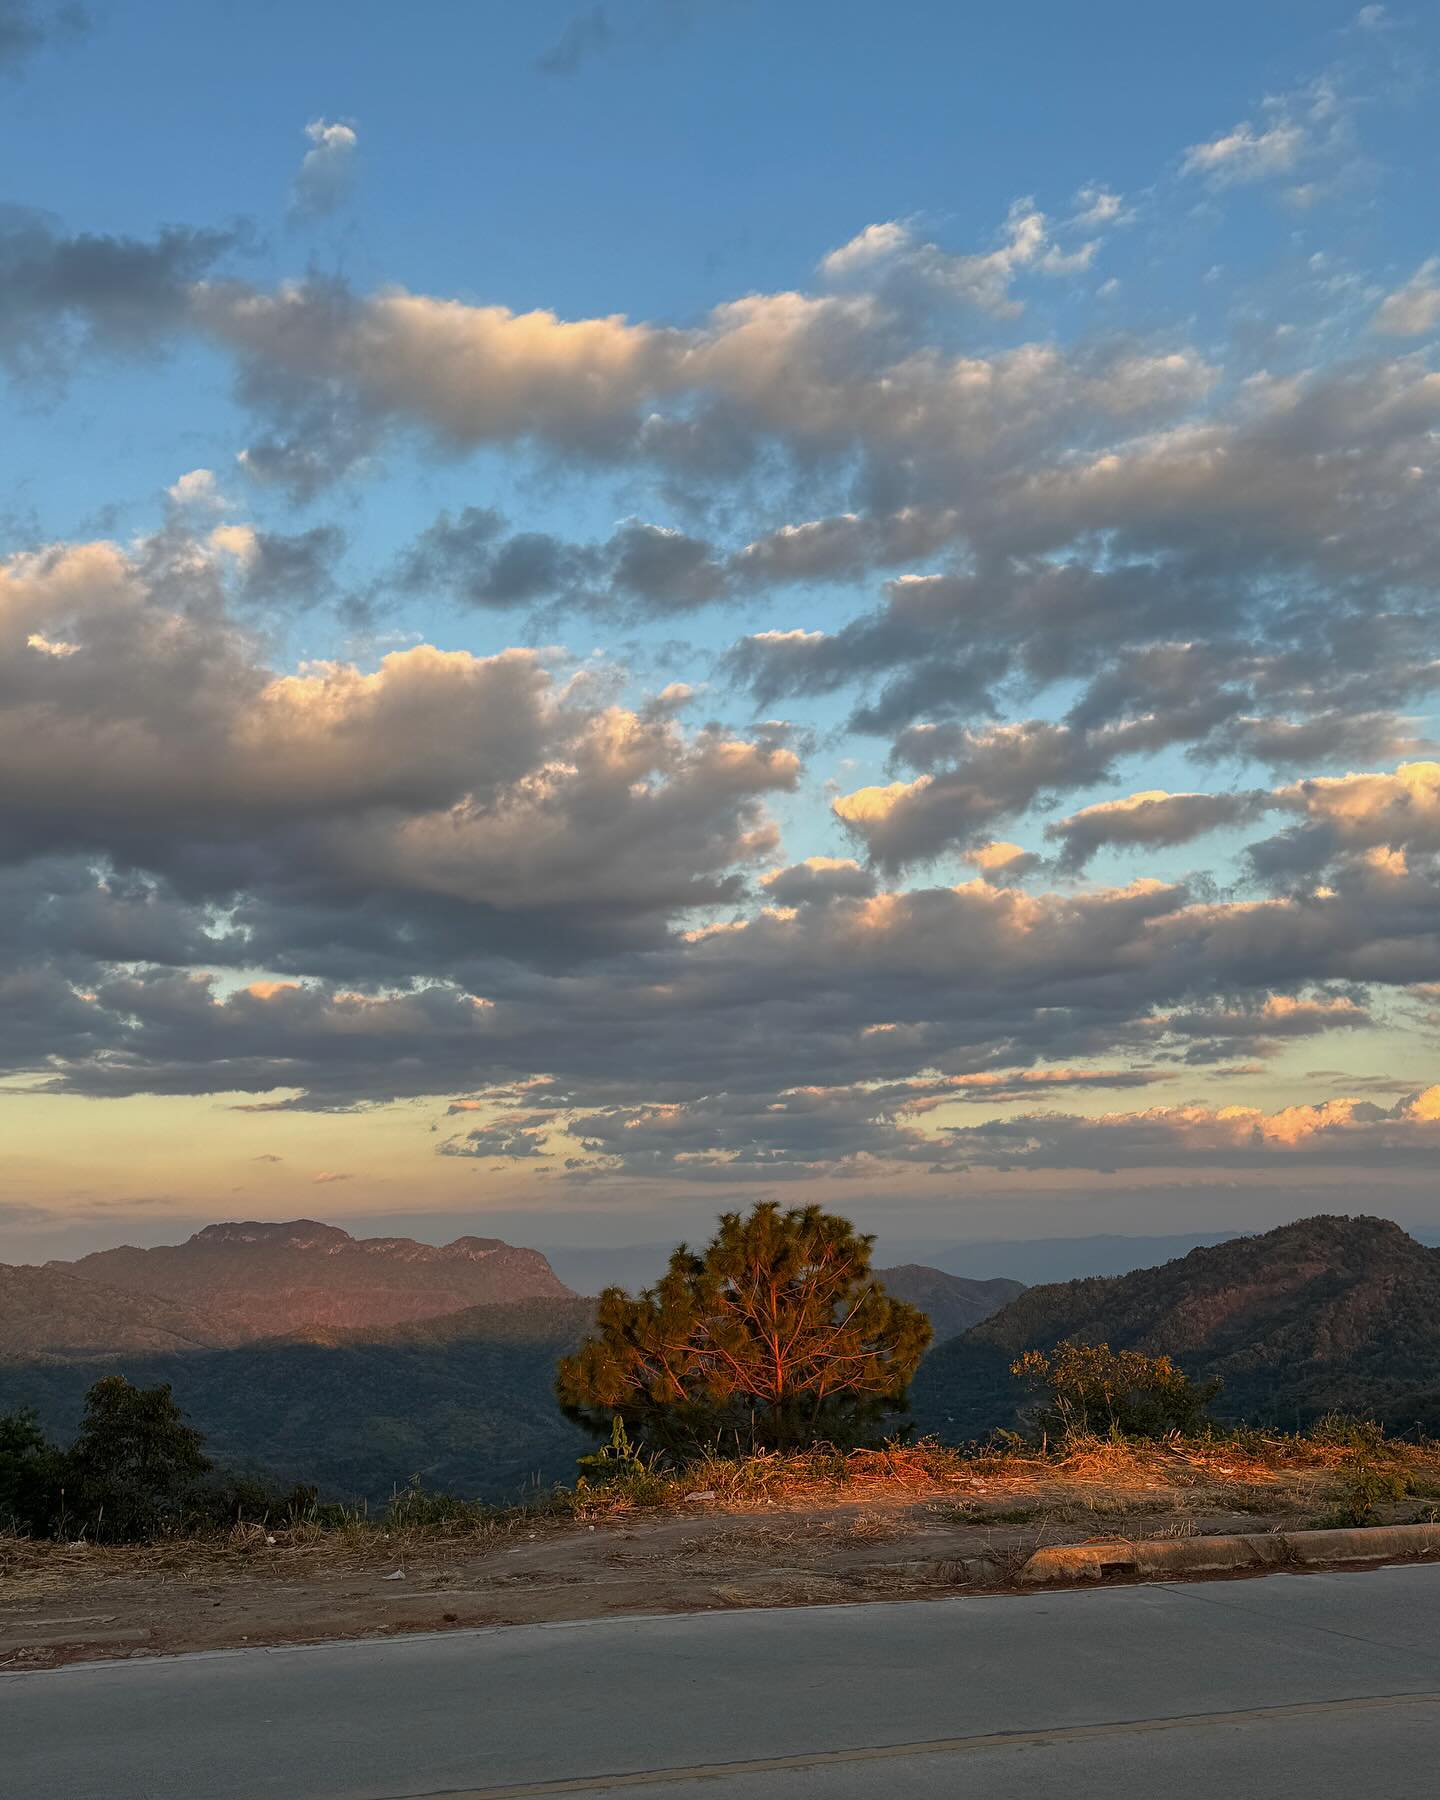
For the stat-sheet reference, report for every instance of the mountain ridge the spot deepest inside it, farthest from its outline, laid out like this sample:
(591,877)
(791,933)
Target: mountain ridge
(1330,1313)
(272,1277)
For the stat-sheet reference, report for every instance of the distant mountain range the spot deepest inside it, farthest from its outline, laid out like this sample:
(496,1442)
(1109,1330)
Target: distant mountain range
(253,1280)
(952,1303)
(1323,1315)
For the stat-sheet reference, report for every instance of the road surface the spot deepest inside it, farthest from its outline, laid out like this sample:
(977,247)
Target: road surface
(1274,1689)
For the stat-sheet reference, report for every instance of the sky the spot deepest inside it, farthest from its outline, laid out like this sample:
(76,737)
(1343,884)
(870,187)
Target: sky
(609,612)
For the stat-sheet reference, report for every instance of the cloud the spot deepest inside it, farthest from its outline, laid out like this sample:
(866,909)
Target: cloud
(744,1137)
(328,1175)
(890,255)
(641,569)
(197,489)
(27,28)
(381,995)
(61,295)
(1414,309)
(1339,1133)
(986,776)
(513,1137)
(821,376)
(1245,154)
(587,35)
(1099,205)
(327,169)
(1216,1033)
(441,779)
(1002,863)
(818,879)
(1310,122)
(1152,819)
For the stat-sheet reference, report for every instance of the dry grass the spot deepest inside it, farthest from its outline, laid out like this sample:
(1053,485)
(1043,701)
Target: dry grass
(1091,1482)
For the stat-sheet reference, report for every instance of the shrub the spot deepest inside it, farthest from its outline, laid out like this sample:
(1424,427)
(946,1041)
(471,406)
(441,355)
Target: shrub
(416,1506)
(1092,1389)
(1346,1432)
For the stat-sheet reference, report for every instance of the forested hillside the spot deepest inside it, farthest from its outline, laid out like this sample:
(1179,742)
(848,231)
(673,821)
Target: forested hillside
(1330,1313)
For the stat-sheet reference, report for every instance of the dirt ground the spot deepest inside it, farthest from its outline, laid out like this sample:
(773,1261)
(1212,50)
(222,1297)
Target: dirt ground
(61,1603)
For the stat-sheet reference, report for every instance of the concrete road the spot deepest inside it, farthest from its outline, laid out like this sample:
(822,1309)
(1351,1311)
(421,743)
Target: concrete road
(1270,1689)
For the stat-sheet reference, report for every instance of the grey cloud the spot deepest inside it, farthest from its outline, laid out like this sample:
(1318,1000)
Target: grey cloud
(970,781)
(293,567)
(512,1137)
(818,879)
(59,294)
(748,1137)
(1329,736)
(954,981)
(27,28)
(642,567)
(663,566)
(1150,819)
(585,36)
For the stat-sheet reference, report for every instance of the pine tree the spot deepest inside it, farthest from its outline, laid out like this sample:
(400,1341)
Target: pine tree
(775,1335)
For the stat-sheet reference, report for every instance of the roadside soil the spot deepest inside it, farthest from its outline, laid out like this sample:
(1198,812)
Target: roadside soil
(61,1603)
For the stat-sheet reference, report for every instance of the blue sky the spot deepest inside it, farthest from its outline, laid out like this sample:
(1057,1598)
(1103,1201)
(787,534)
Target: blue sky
(1103,337)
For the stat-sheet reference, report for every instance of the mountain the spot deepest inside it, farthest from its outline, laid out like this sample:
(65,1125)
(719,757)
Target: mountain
(50,1312)
(951,1303)
(275,1278)
(1327,1314)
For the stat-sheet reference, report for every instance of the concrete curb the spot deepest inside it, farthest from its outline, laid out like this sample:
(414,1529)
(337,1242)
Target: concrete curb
(1207,1555)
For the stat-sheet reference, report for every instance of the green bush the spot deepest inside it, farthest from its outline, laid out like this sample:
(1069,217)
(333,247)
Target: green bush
(1092,1390)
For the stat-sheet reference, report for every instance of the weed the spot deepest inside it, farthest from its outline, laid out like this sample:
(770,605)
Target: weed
(1340,1431)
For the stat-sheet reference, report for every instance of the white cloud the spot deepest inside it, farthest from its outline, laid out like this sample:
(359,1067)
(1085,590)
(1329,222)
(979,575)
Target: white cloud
(1245,154)
(1414,309)
(891,254)
(197,488)
(327,169)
